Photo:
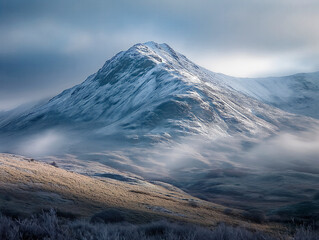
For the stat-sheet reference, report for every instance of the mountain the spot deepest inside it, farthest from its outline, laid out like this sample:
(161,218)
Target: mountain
(298,93)
(152,112)
(152,90)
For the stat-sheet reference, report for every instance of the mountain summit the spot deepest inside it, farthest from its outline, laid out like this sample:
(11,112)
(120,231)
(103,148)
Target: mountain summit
(152,89)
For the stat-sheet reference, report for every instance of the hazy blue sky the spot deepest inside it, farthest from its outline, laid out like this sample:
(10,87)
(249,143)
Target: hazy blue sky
(46,46)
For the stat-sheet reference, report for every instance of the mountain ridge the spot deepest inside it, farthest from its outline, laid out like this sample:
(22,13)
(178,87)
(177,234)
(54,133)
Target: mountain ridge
(151,89)
(297,93)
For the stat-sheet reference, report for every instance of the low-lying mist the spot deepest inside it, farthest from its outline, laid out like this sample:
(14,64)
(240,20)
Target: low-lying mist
(44,143)
(38,144)
(275,174)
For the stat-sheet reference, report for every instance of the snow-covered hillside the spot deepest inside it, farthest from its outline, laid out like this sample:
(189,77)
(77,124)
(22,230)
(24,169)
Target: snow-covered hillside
(151,89)
(298,93)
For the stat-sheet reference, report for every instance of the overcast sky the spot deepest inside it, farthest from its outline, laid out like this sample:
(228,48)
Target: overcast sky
(49,45)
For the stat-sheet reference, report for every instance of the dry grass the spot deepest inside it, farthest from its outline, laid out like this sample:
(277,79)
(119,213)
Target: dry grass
(29,186)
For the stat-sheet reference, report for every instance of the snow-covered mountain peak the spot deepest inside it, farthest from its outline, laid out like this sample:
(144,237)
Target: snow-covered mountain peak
(147,59)
(151,89)
(159,53)
(162,50)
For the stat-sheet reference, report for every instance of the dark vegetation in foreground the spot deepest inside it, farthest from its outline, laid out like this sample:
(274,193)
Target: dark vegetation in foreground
(108,225)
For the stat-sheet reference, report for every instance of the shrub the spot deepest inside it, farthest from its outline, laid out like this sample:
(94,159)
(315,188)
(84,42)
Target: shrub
(108,216)
(306,234)
(54,164)
(47,226)
(10,213)
(193,203)
(227,211)
(156,229)
(68,215)
(255,216)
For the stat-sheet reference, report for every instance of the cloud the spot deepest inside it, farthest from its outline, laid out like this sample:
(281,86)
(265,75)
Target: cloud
(242,38)
(284,152)
(288,151)
(44,143)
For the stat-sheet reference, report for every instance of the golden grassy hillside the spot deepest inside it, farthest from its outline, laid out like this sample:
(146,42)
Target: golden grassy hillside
(27,186)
